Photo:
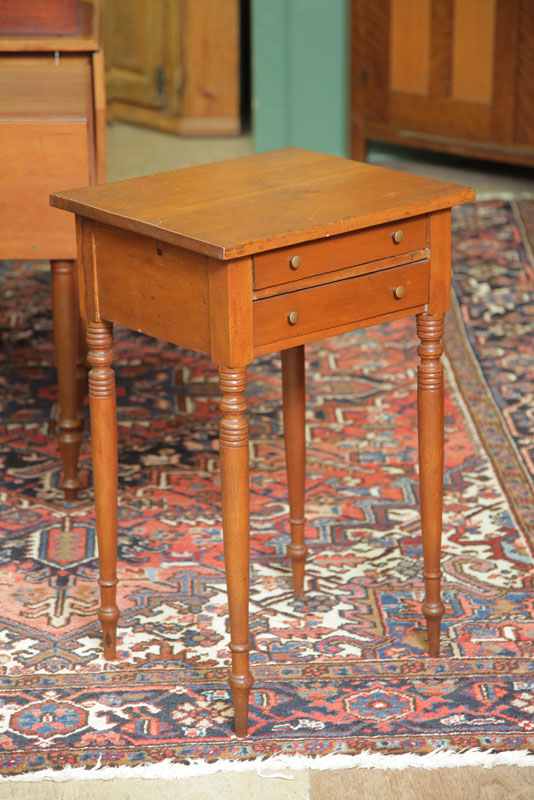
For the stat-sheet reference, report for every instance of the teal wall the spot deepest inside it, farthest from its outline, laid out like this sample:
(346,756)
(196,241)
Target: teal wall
(300,74)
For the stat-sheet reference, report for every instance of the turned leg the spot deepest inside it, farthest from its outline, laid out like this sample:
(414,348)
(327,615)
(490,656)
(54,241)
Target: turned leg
(65,320)
(233,434)
(294,401)
(430,412)
(104,445)
(81,370)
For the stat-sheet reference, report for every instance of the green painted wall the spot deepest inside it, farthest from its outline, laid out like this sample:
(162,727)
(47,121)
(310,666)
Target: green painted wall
(300,72)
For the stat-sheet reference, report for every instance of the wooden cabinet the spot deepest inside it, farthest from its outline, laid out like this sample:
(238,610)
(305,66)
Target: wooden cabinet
(174,65)
(52,136)
(52,127)
(451,75)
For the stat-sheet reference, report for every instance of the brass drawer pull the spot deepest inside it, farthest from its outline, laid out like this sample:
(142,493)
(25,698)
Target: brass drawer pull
(293,317)
(295,262)
(398,236)
(399,292)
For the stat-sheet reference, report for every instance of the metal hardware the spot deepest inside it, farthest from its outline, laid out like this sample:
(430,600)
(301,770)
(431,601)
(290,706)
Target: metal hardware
(295,262)
(397,236)
(399,292)
(293,317)
(161,83)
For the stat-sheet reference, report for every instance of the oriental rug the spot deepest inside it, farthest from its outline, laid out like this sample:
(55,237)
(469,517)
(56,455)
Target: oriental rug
(343,668)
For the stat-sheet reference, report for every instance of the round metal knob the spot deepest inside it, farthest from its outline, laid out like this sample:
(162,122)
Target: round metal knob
(397,236)
(399,292)
(295,262)
(293,317)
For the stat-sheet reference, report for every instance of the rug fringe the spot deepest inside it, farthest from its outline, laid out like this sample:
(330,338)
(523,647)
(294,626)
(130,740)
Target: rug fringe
(277,766)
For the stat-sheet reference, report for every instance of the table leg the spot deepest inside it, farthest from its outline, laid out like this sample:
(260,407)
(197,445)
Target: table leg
(294,404)
(430,413)
(81,371)
(233,435)
(104,444)
(65,318)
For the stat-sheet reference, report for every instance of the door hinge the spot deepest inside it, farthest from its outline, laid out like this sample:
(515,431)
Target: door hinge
(161,83)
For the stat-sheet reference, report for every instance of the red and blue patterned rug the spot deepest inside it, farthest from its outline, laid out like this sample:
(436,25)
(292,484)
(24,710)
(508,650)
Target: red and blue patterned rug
(343,668)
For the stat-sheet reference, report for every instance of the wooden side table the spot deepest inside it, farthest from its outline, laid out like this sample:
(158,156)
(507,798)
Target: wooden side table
(245,257)
(52,135)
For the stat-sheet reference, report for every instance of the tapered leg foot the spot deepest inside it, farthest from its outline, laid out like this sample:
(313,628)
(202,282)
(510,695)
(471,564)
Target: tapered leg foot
(430,412)
(294,405)
(104,445)
(240,686)
(433,615)
(65,321)
(233,437)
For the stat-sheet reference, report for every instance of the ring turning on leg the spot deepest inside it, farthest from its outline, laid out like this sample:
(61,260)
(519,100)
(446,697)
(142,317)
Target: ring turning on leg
(233,437)
(104,444)
(65,319)
(430,413)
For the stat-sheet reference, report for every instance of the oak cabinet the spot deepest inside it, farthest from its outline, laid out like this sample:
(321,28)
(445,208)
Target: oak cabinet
(450,75)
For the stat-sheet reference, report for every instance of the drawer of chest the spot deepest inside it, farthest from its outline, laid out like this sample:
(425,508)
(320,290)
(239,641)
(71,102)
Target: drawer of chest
(334,305)
(346,250)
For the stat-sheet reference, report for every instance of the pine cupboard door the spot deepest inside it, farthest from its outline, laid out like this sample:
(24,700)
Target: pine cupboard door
(444,74)
(134,42)
(174,65)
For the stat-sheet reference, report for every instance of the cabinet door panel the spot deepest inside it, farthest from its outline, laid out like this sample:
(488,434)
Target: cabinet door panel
(458,99)
(174,64)
(473,37)
(134,43)
(524,121)
(445,74)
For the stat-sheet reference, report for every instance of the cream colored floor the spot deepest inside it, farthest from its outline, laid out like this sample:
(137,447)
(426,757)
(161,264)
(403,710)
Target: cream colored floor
(136,151)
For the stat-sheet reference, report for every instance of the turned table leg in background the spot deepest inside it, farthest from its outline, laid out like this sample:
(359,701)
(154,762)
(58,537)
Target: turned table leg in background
(104,445)
(294,404)
(430,414)
(65,318)
(233,437)
(81,370)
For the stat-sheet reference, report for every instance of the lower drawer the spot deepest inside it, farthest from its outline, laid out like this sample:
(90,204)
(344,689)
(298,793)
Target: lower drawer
(332,305)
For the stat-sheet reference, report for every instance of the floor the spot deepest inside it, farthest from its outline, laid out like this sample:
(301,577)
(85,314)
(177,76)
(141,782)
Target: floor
(136,151)
(139,151)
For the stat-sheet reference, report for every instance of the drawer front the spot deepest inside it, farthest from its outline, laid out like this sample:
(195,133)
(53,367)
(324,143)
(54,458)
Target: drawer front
(343,302)
(348,250)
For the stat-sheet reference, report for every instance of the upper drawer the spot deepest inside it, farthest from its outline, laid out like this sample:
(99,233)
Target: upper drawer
(348,250)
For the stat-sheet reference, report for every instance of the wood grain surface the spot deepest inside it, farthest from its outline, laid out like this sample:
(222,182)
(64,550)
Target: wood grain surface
(338,252)
(256,203)
(355,299)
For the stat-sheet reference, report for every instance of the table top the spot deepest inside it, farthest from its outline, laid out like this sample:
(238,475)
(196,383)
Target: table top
(248,205)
